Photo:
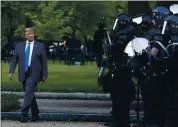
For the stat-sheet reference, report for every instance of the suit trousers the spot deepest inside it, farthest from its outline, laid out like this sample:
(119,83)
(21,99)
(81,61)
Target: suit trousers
(29,98)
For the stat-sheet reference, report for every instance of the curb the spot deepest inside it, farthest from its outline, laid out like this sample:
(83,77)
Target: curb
(67,117)
(53,95)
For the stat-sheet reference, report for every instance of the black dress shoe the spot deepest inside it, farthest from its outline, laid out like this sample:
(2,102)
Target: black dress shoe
(23,119)
(107,124)
(114,125)
(32,120)
(35,119)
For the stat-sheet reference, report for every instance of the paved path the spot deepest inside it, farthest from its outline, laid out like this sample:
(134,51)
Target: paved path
(8,123)
(76,106)
(80,110)
(72,106)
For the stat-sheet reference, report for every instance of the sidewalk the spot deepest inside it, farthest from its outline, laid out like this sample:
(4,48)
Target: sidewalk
(8,123)
(81,110)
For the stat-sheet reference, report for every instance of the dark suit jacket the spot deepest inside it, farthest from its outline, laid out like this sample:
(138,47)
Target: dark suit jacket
(38,61)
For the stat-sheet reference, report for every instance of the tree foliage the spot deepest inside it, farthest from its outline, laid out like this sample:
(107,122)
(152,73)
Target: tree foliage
(54,20)
(11,17)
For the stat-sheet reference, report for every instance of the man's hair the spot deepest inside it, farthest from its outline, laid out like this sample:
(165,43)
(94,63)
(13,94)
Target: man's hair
(27,29)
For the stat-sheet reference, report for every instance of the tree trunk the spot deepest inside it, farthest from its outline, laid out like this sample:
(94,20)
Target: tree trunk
(138,7)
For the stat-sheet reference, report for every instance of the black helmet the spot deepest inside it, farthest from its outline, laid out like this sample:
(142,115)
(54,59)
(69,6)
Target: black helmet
(146,22)
(121,20)
(101,25)
(146,18)
(159,14)
(172,21)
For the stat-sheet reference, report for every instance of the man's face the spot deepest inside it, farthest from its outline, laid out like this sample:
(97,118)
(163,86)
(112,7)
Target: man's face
(29,35)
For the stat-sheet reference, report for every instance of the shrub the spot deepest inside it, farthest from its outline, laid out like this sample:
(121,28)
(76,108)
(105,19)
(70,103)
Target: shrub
(9,102)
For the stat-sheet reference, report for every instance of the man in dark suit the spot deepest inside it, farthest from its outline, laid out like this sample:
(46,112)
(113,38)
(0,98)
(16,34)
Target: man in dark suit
(32,68)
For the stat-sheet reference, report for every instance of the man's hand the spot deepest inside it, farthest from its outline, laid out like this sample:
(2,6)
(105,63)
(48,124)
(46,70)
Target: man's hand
(43,80)
(10,76)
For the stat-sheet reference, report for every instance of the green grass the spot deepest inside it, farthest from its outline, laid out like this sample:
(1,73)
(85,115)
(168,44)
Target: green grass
(61,78)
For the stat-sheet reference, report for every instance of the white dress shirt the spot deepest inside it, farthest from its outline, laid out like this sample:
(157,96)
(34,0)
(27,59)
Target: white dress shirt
(31,50)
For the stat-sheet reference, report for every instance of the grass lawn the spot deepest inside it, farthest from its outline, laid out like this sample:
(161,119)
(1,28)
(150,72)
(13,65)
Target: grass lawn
(61,78)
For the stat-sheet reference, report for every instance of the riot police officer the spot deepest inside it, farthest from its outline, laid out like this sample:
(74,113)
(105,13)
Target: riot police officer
(158,16)
(122,87)
(146,23)
(172,66)
(153,86)
(98,42)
